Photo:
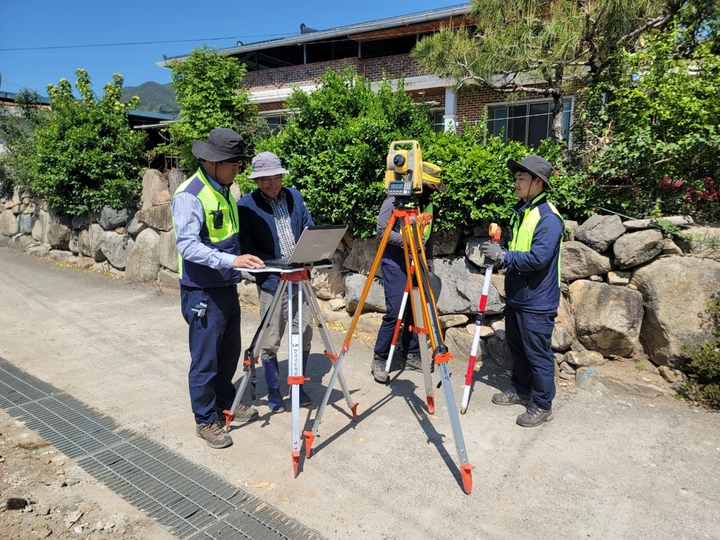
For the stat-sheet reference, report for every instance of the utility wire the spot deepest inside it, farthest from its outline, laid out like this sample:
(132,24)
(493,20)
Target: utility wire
(55,47)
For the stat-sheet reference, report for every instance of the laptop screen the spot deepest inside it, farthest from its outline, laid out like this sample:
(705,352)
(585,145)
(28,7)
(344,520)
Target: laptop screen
(317,243)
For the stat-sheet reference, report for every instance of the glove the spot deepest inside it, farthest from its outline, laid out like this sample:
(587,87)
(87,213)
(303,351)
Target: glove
(493,253)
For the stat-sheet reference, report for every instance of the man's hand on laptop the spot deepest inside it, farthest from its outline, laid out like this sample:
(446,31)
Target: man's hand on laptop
(248,261)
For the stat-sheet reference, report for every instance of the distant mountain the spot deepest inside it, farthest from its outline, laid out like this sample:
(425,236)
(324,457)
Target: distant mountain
(154,97)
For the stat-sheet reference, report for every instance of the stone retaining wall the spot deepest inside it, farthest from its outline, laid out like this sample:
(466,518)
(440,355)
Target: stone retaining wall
(630,295)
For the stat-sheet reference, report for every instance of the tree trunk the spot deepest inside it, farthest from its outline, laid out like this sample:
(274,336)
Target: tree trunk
(557,96)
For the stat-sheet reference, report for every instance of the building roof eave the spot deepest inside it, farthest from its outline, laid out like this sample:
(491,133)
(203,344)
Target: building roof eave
(338,32)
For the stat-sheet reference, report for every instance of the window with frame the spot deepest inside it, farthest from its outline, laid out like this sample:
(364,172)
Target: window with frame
(276,122)
(529,122)
(437,117)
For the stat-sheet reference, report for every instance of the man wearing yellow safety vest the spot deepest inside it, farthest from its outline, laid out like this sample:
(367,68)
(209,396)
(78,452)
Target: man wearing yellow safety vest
(395,278)
(532,290)
(206,226)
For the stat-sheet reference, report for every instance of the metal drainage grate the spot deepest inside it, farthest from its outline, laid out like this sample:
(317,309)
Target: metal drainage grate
(192,501)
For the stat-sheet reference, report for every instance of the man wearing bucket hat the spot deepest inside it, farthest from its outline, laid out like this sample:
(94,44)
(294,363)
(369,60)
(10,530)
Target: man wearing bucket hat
(395,278)
(272,218)
(206,226)
(532,290)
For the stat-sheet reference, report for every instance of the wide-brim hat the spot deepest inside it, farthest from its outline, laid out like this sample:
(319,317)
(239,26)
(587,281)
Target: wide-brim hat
(534,165)
(222,145)
(266,164)
(431,175)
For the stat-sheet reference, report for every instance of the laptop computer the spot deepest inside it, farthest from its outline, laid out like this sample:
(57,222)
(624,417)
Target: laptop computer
(316,244)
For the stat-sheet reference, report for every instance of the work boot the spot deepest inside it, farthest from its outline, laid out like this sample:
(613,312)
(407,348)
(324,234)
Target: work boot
(245,414)
(275,399)
(214,434)
(377,368)
(510,397)
(534,415)
(413,362)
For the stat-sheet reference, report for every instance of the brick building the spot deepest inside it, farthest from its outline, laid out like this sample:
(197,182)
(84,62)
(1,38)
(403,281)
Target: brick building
(378,49)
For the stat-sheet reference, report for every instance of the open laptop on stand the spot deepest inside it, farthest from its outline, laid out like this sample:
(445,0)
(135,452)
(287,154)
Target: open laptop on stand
(315,246)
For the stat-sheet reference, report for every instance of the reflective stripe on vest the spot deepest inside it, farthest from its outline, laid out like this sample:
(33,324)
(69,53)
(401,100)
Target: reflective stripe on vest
(524,230)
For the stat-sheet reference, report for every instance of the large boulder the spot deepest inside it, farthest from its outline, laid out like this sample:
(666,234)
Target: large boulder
(116,248)
(157,217)
(634,249)
(110,219)
(354,285)
(608,319)
(155,189)
(328,282)
(144,260)
(89,241)
(462,285)
(58,233)
(362,255)
(599,232)
(563,334)
(8,223)
(167,251)
(578,261)
(676,291)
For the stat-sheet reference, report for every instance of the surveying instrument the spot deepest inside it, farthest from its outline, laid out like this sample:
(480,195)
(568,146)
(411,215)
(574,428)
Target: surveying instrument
(295,285)
(404,181)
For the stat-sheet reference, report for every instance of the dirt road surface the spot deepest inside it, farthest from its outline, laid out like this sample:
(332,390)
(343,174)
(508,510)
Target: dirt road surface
(605,467)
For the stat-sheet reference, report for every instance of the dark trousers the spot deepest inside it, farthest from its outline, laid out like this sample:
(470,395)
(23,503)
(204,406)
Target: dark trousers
(529,336)
(215,348)
(394,281)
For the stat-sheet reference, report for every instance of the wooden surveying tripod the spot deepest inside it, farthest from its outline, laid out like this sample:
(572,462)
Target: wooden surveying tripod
(426,320)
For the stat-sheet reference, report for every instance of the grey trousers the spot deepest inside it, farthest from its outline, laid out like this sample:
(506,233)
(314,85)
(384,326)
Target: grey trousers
(277,327)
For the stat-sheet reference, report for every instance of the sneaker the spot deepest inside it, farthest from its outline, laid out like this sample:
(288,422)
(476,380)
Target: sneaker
(214,434)
(377,368)
(245,414)
(510,397)
(534,415)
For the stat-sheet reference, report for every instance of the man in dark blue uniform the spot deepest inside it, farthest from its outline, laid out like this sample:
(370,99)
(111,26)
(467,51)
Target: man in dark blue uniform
(206,226)
(532,290)
(395,278)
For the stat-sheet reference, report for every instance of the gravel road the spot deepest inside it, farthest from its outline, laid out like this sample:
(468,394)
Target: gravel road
(606,466)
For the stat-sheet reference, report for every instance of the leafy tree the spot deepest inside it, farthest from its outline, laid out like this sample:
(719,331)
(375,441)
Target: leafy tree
(660,138)
(336,144)
(86,155)
(539,47)
(17,125)
(208,88)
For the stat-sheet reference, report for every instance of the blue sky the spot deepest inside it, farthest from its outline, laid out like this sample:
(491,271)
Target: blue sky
(44,41)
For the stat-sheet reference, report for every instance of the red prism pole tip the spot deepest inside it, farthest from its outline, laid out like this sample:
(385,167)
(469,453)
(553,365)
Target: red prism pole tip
(354,411)
(431,404)
(309,439)
(296,461)
(466,473)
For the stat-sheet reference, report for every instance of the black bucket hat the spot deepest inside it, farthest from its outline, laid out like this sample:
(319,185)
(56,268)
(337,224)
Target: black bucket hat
(222,145)
(536,166)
